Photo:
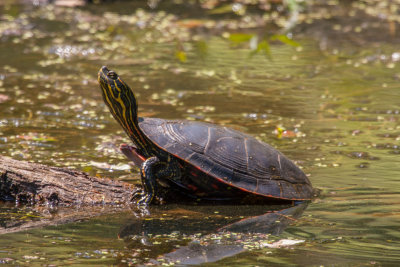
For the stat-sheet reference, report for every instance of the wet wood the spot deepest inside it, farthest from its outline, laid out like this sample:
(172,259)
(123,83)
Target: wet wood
(26,182)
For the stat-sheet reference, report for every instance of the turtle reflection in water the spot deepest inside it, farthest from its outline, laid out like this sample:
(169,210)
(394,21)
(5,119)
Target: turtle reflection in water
(195,240)
(199,160)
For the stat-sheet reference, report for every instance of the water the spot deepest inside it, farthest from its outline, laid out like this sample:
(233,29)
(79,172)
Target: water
(339,100)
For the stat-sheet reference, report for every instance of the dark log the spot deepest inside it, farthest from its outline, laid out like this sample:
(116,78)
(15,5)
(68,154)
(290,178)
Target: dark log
(56,195)
(26,182)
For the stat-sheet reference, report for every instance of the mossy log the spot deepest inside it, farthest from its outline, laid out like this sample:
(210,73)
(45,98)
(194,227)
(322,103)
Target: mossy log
(32,183)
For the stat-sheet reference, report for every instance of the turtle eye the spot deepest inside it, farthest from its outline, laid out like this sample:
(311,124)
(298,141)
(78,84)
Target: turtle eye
(111,74)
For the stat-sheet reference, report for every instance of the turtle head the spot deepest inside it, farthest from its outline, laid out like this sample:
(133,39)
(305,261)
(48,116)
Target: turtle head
(119,98)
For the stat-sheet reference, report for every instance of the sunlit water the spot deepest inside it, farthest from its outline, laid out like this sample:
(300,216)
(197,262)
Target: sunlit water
(342,106)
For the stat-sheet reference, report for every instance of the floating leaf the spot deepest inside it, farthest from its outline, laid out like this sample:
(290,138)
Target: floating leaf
(240,37)
(262,46)
(222,9)
(284,39)
(87,169)
(181,55)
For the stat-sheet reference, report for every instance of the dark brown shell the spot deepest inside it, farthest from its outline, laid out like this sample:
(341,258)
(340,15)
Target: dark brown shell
(230,156)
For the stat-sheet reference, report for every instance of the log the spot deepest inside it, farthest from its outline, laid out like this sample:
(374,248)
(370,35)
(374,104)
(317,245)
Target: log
(55,195)
(33,183)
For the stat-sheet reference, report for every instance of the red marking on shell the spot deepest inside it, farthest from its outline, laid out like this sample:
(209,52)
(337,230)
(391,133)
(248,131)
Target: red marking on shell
(141,157)
(192,187)
(215,186)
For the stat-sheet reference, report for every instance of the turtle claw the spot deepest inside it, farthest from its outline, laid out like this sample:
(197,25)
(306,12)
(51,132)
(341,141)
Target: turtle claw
(141,198)
(144,201)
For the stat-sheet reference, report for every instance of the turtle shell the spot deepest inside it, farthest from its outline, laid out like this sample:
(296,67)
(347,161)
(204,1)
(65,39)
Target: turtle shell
(230,156)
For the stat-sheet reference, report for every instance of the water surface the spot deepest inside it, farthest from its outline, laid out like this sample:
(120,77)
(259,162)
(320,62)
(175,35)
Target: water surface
(340,100)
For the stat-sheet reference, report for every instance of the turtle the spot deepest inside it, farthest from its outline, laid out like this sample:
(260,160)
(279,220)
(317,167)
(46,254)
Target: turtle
(198,159)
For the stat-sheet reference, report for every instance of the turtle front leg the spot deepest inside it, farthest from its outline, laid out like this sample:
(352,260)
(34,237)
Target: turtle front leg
(149,181)
(151,170)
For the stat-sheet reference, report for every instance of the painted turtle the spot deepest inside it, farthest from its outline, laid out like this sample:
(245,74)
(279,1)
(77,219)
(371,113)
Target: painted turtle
(199,159)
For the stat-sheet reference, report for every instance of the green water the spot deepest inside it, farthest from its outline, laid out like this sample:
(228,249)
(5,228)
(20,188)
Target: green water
(340,97)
